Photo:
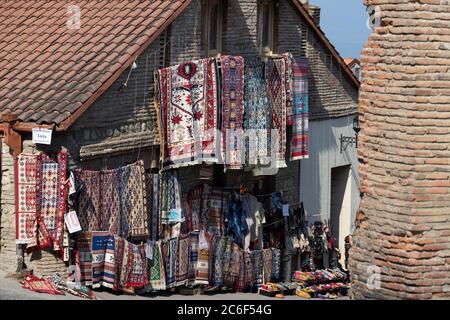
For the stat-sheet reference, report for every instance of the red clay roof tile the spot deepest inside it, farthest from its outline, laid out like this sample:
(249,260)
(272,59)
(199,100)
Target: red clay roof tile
(48,71)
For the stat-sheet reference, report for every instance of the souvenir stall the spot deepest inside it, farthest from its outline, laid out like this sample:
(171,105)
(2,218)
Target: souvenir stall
(223,229)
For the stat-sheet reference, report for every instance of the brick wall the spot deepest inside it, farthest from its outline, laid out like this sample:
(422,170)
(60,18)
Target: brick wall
(403,224)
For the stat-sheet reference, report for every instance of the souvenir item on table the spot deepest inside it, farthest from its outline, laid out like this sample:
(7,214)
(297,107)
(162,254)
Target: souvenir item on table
(276,89)
(188,102)
(300,125)
(232,106)
(257,116)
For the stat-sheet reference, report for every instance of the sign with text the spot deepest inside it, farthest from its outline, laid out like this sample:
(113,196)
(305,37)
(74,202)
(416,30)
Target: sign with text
(72,222)
(42,136)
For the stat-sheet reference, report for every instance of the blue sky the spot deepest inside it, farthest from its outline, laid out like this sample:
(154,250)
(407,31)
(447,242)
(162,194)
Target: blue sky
(345,24)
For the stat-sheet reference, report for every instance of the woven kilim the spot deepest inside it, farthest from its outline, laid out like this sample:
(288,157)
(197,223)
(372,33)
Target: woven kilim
(276,88)
(232,111)
(183,260)
(27,199)
(155,268)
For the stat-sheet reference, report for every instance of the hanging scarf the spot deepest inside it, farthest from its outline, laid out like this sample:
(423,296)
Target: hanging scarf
(300,139)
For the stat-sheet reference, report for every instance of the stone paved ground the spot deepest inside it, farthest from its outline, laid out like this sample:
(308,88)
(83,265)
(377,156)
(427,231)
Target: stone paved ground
(11,289)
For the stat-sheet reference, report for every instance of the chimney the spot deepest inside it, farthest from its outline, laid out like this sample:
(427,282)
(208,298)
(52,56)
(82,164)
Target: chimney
(314,12)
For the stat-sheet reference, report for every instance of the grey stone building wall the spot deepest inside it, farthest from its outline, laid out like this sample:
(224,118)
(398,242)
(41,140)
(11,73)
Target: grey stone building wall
(120,127)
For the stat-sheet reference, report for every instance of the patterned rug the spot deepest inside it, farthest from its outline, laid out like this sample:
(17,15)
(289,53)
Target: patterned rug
(299,144)
(103,264)
(232,111)
(182,260)
(276,88)
(257,262)
(89,199)
(193,257)
(257,116)
(153,196)
(287,57)
(267,264)
(216,211)
(155,268)
(194,208)
(110,216)
(133,201)
(188,113)
(171,198)
(53,195)
(240,283)
(276,265)
(248,269)
(27,199)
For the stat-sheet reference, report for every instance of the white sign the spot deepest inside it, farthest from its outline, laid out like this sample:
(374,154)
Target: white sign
(72,222)
(42,136)
(285,210)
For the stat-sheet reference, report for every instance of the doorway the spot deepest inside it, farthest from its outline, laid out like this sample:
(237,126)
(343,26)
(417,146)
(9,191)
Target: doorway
(340,206)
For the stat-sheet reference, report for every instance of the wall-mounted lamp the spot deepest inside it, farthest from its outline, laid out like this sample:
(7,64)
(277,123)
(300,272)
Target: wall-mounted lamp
(346,141)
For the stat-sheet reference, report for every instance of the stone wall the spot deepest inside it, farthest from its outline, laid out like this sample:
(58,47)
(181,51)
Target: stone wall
(404,218)
(8,260)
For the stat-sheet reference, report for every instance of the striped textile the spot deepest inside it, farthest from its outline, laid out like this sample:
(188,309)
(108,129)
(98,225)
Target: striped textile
(299,144)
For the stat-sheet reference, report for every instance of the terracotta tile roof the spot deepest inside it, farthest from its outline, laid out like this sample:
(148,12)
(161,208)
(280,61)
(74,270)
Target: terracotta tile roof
(43,62)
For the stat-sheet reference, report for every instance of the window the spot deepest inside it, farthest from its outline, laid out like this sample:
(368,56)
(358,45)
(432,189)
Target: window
(266,25)
(213,26)
(357,72)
